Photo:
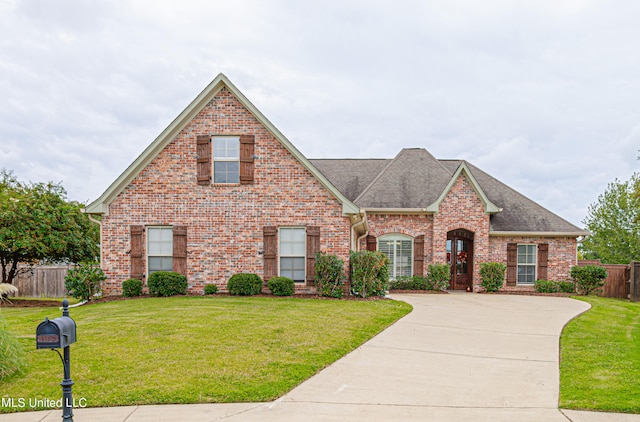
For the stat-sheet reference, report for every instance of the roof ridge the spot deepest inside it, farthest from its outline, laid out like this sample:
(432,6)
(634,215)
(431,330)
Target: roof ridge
(375,179)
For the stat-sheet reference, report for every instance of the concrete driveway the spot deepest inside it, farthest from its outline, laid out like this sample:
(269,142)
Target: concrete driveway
(456,357)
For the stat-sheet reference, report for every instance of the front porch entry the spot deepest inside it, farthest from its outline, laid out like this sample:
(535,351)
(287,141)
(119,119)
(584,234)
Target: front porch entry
(460,258)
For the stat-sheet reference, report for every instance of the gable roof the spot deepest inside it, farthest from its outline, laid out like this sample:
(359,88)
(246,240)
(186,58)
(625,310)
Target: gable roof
(101,205)
(416,182)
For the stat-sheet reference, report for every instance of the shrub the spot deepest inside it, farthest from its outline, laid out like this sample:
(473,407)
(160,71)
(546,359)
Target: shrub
(84,281)
(492,275)
(369,273)
(566,287)
(416,282)
(281,286)
(132,287)
(548,286)
(244,284)
(589,278)
(439,275)
(545,286)
(329,276)
(12,358)
(210,289)
(167,283)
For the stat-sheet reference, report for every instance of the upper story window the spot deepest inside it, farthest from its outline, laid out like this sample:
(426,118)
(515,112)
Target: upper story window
(527,264)
(226,159)
(399,249)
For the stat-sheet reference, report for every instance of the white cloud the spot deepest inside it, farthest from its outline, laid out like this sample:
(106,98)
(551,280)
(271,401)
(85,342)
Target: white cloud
(543,95)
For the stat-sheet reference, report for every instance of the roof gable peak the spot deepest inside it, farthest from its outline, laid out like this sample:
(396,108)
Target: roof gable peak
(463,169)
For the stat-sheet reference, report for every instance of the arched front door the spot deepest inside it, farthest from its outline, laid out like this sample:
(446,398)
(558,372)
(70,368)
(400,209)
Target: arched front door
(460,258)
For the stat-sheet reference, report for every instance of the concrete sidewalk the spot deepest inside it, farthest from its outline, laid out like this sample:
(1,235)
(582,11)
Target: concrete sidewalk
(456,357)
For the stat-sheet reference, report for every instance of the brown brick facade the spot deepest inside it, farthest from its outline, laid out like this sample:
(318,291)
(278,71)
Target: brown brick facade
(224,222)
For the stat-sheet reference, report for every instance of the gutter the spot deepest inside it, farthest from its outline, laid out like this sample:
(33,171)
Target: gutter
(366,232)
(398,211)
(538,234)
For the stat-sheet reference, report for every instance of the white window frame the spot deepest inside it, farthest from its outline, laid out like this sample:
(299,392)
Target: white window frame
(166,254)
(226,159)
(395,238)
(296,255)
(534,264)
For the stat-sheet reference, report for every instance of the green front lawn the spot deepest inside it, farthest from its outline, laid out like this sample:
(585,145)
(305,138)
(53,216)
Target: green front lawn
(194,349)
(600,358)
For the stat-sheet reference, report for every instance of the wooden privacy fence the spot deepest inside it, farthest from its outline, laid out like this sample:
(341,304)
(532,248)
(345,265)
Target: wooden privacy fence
(42,281)
(619,283)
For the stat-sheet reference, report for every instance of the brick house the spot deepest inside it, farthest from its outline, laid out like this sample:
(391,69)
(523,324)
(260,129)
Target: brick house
(222,191)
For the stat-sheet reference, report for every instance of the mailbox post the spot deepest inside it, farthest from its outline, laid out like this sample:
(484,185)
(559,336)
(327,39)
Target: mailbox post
(60,333)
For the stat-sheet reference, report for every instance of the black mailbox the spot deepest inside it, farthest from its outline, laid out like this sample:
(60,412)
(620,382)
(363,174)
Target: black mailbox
(57,333)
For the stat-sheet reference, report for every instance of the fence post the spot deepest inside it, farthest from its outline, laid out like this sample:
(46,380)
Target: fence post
(635,282)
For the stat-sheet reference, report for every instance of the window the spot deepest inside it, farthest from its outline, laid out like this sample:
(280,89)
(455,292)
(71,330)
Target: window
(226,159)
(159,249)
(399,249)
(526,264)
(292,248)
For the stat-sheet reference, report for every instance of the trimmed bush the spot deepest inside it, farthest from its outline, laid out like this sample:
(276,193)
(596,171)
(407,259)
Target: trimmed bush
(167,283)
(244,284)
(84,281)
(492,275)
(281,286)
(329,276)
(210,289)
(566,287)
(12,358)
(132,287)
(439,276)
(545,286)
(369,273)
(589,278)
(416,282)
(549,286)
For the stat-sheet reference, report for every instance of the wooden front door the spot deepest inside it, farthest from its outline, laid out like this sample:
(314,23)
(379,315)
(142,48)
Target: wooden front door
(460,257)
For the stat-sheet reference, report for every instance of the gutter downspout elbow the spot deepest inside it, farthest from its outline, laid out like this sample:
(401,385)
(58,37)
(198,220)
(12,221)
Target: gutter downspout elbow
(366,232)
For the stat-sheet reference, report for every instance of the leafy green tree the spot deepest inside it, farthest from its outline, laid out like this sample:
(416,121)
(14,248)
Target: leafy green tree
(38,224)
(613,223)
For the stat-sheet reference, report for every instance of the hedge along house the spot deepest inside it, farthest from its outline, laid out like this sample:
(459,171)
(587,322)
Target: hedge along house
(222,191)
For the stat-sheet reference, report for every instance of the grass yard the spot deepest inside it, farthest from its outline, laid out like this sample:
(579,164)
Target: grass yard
(194,349)
(600,358)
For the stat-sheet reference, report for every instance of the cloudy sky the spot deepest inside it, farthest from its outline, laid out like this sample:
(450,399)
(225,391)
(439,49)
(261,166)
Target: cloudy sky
(544,94)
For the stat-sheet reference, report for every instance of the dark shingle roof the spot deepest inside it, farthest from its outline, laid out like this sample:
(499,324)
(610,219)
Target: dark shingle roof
(350,176)
(415,179)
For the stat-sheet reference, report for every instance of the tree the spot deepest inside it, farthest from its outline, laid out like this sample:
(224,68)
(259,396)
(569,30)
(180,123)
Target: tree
(38,224)
(613,223)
